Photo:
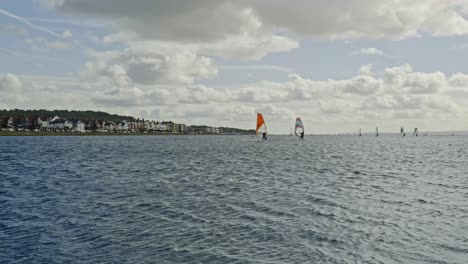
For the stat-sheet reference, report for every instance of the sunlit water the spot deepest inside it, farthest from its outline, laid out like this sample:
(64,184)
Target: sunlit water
(230,199)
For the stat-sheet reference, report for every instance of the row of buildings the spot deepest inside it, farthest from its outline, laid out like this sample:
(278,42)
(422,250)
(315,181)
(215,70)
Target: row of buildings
(57,124)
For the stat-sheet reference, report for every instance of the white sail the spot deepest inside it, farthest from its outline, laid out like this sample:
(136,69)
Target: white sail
(299,127)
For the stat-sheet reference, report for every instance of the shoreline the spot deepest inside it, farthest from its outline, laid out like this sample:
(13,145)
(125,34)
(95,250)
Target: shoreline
(55,134)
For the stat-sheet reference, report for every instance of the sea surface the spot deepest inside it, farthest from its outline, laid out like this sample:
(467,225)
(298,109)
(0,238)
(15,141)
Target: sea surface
(233,199)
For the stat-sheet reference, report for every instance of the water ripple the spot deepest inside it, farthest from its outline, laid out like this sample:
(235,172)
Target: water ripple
(327,199)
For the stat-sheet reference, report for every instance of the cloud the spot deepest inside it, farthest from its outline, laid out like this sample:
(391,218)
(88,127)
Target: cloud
(67,34)
(366,69)
(152,66)
(10,83)
(459,80)
(399,94)
(363,85)
(130,97)
(10,90)
(10,28)
(208,20)
(369,51)
(257,67)
(369,19)
(43,45)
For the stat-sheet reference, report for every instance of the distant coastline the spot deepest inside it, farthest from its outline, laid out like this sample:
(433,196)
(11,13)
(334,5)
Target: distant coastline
(97,134)
(19,122)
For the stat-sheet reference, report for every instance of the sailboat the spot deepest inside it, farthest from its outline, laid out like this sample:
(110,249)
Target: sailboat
(416,132)
(261,126)
(360,132)
(299,128)
(402,132)
(376,131)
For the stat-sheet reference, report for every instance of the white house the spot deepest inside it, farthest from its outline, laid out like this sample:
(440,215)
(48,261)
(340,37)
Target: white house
(42,124)
(57,124)
(10,122)
(68,125)
(110,126)
(123,126)
(161,127)
(80,127)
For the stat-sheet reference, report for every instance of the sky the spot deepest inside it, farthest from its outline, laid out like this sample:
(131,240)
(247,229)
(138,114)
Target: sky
(339,65)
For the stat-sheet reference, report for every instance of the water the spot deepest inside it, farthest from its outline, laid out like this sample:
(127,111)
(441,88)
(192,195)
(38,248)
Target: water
(227,199)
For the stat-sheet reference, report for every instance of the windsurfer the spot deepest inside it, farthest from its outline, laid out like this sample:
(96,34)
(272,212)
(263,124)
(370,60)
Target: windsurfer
(264,136)
(302,135)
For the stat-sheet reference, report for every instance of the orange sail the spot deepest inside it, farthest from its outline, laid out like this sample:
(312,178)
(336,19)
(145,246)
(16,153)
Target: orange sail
(261,126)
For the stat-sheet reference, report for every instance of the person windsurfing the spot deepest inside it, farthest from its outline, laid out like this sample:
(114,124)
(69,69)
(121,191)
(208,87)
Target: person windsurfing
(261,127)
(299,128)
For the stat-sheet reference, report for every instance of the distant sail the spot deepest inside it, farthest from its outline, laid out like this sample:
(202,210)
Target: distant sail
(360,132)
(376,131)
(299,127)
(402,131)
(261,126)
(416,132)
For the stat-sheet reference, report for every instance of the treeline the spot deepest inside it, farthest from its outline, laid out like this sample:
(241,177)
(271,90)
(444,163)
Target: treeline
(236,130)
(82,115)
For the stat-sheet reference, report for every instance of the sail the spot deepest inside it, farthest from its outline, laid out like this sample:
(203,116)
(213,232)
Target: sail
(376,131)
(261,126)
(416,132)
(402,131)
(360,132)
(299,127)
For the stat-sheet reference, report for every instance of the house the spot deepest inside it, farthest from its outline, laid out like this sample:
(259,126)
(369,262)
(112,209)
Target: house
(181,128)
(24,123)
(122,126)
(147,125)
(160,127)
(11,123)
(43,124)
(57,124)
(170,126)
(68,125)
(79,126)
(109,125)
(90,125)
(54,118)
(100,126)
